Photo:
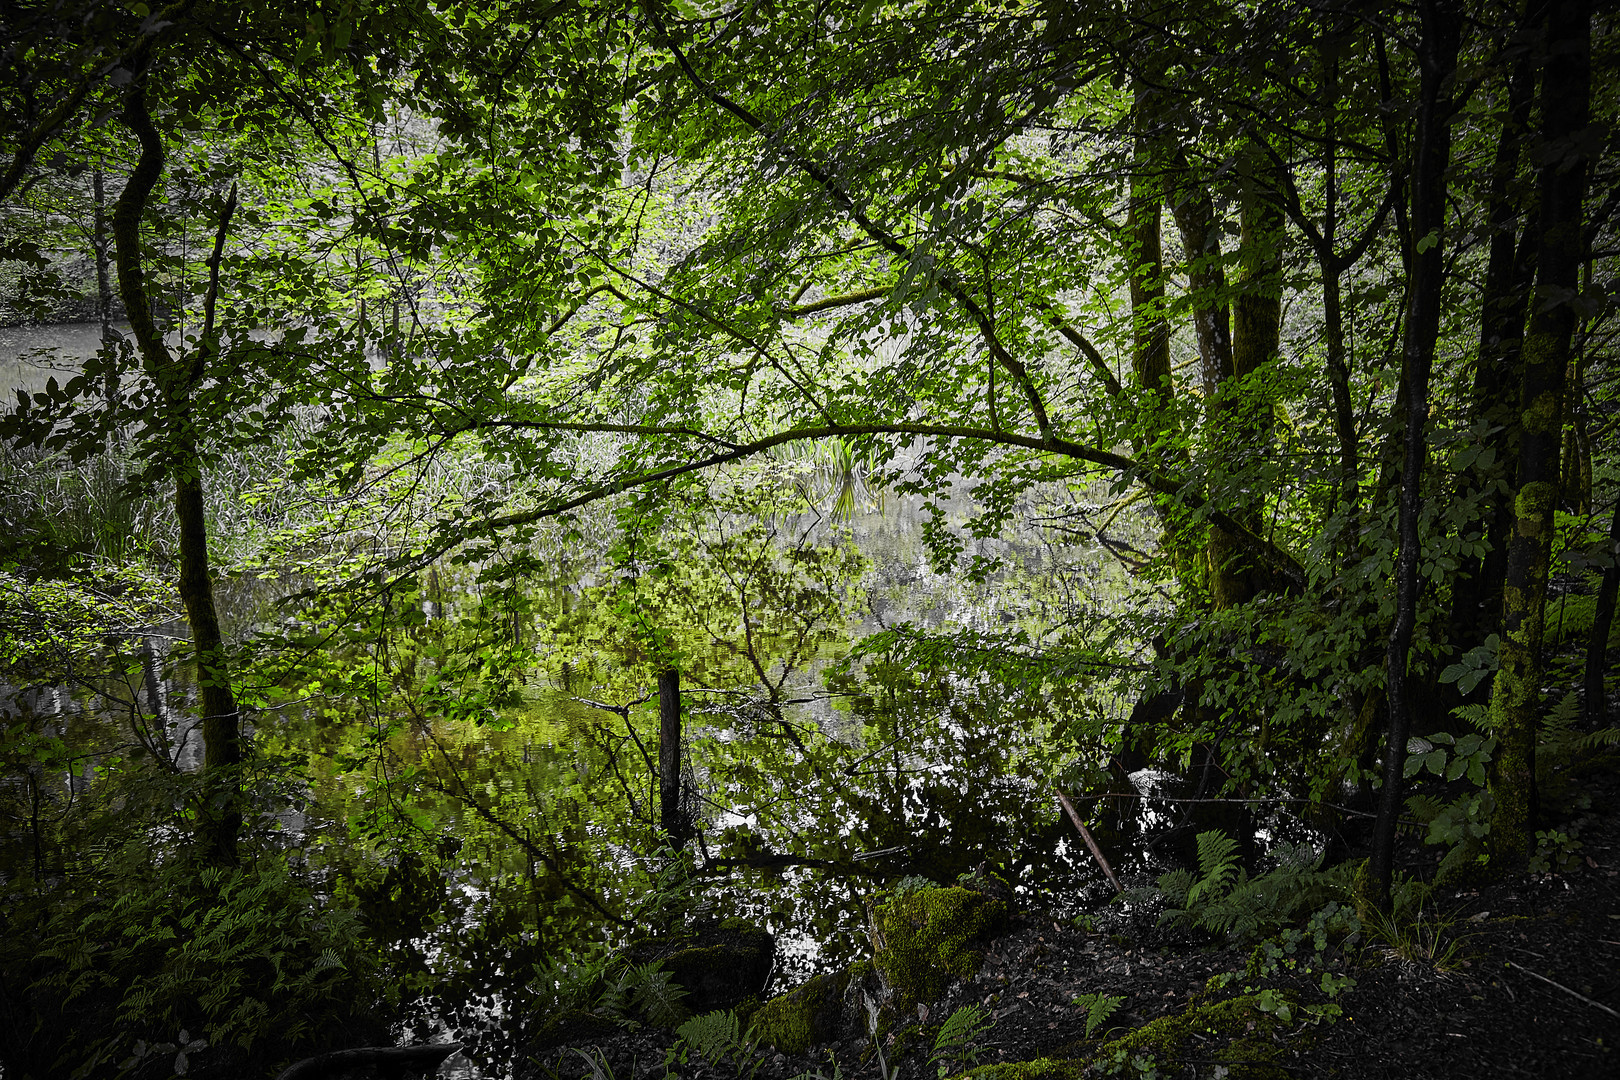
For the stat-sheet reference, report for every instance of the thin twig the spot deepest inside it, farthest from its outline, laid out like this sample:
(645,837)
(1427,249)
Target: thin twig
(1565,989)
(1085,834)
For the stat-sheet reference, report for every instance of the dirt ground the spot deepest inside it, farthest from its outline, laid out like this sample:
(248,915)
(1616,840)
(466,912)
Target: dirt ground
(1527,985)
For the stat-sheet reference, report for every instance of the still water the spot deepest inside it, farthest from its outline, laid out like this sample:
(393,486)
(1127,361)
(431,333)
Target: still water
(807,793)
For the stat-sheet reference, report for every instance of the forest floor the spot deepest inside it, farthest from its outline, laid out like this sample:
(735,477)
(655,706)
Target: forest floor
(1527,984)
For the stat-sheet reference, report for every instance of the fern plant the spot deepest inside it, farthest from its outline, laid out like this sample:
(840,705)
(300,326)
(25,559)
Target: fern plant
(715,1036)
(1099,1007)
(1223,899)
(656,995)
(956,1038)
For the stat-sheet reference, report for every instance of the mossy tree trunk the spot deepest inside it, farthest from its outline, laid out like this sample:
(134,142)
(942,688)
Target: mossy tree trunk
(176,379)
(100,248)
(1515,707)
(1241,405)
(1156,433)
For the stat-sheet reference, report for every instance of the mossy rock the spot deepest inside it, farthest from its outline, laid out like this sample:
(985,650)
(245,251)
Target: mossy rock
(1250,1054)
(1039,1069)
(804,1017)
(925,939)
(720,965)
(571,1025)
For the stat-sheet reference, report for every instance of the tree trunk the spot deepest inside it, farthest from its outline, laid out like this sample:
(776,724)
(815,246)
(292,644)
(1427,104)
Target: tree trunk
(99,244)
(1194,212)
(1241,405)
(221,815)
(1515,708)
(1156,434)
(1597,645)
(1477,593)
(1333,268)
(670,817)
(1431,151)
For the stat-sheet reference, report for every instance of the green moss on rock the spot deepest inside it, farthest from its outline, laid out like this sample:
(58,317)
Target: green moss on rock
(924,940)
(571,1025)
(801,1018)
(1250,1054)
(1039,1069)
(720,965)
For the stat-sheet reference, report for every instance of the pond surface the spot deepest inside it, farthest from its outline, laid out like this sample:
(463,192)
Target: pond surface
(809,788)
(29,355)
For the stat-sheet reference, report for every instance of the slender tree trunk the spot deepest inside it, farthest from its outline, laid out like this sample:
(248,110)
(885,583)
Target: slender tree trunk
(221,806)
(1194,212)
(1477,593)
(100,243)
(670,817)
(1150,354)
(1241,406)
(1431,151)
(1338,362)
(1515,708)
(1575,482)
(1156,433)
(1597,644)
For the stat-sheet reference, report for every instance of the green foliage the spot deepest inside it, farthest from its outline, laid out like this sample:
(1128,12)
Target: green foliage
(1099,1007)
(1222,898)
(1467,756)
(716,1037)
(248,958)
(1418,932)
(1556,850)
(648,990)
(954,1044)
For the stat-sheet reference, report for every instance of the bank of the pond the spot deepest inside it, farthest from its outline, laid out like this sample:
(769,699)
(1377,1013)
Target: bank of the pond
(1517,978)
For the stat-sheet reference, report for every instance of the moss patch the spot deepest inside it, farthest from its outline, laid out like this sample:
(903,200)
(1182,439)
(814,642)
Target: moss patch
(923,940)
(1025,1070)
(571,1025)
(795,1021)
(720,965)
(1250,1053)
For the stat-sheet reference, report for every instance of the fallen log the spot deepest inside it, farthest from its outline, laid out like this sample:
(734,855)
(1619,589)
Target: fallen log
(399,1059)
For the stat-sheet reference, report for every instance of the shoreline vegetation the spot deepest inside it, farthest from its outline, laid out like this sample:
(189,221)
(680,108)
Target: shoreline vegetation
(911,540)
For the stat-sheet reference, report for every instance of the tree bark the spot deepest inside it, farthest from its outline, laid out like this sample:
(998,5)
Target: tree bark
(1515,708)
(1431,151)
(221,815)
(1241,405)
(1156,433)
(670,816)
(1194,212)
(99,244)
(1477,594)
(1597,643)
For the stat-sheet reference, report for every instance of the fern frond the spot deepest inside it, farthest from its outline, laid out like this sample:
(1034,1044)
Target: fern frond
(961,1027)
(1099,1007)
(1601,738)
(656,994)
(714,1034)
(1217,862)
(1175,886)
